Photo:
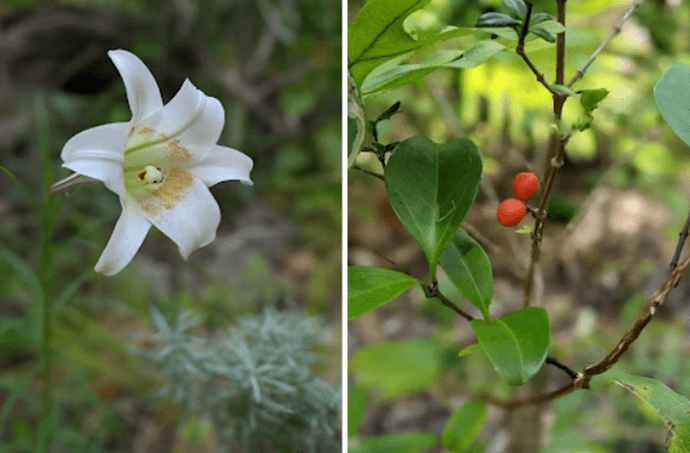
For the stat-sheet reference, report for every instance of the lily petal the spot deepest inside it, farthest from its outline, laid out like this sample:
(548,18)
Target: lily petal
(223,164)
(168,157)
(142,90)
(127,237)
(193,216)
(192,120)
(98,153)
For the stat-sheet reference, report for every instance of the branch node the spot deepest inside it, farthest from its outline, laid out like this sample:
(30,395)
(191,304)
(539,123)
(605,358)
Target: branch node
(432,291)
(565,368)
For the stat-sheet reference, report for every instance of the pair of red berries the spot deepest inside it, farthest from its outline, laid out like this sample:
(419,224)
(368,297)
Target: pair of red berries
(512,211)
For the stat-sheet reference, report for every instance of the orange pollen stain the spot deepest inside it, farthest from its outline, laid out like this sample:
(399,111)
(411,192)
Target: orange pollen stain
(171,192)
(179,153)
(150,209)
(142,131)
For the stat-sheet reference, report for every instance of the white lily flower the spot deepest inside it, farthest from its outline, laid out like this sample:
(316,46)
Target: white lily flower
(160,164)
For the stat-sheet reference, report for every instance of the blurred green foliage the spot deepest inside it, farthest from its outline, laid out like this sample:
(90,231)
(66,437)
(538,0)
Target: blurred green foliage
(275,67)
(500,103)
(253,382)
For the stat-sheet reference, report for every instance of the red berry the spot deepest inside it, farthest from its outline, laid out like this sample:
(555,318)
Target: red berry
(525,185)
(511,212)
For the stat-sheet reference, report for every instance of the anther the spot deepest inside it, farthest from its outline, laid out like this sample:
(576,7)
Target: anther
(151,175)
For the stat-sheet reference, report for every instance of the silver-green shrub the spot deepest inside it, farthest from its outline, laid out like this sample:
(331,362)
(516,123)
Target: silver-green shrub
(254,382)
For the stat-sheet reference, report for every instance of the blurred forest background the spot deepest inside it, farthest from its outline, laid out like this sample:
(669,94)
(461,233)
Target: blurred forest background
(617,207)
(275,67)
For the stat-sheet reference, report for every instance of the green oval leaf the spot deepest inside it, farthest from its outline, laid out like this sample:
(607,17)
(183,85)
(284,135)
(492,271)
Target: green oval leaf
(431,187)
(679,439)
(399,367)
(390,111)
(392,74)
(672,97)
(506,33)
(539,18)
(590,99)
(564,89)
(543,34)
(518,7)
(515,344)
(551,27)
(357,398)
(469,268)
(370,287)
(356,124)
(496,20)
(377,34)
(469,349)
(464,426)
(671,406)
(475,55)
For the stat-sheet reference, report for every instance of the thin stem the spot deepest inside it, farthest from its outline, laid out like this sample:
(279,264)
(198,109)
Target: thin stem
(44,434)
(614,32)
(556,161)
(655,302)
(520,50)
(596,193)
(681,241)
(433,291)
(525,25)
(558,142)
(532,400)
(581,381)
(45,274)
(493,250)
(560,45)
(371,173)
(561,366)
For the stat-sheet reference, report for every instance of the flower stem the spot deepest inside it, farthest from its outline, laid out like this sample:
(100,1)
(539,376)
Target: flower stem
(49,208)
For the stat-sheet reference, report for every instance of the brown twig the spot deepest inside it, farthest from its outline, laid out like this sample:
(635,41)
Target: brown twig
(433,291)
(614,32)
(582,380)
(558,143)
(371,173)
(520,50)
(494,250)
(681,241)
(655,302)
(561,366)
(556,162)
(595,194)
(538,399)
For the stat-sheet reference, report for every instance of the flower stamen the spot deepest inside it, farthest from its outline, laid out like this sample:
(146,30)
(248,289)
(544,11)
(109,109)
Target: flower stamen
(151,175)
